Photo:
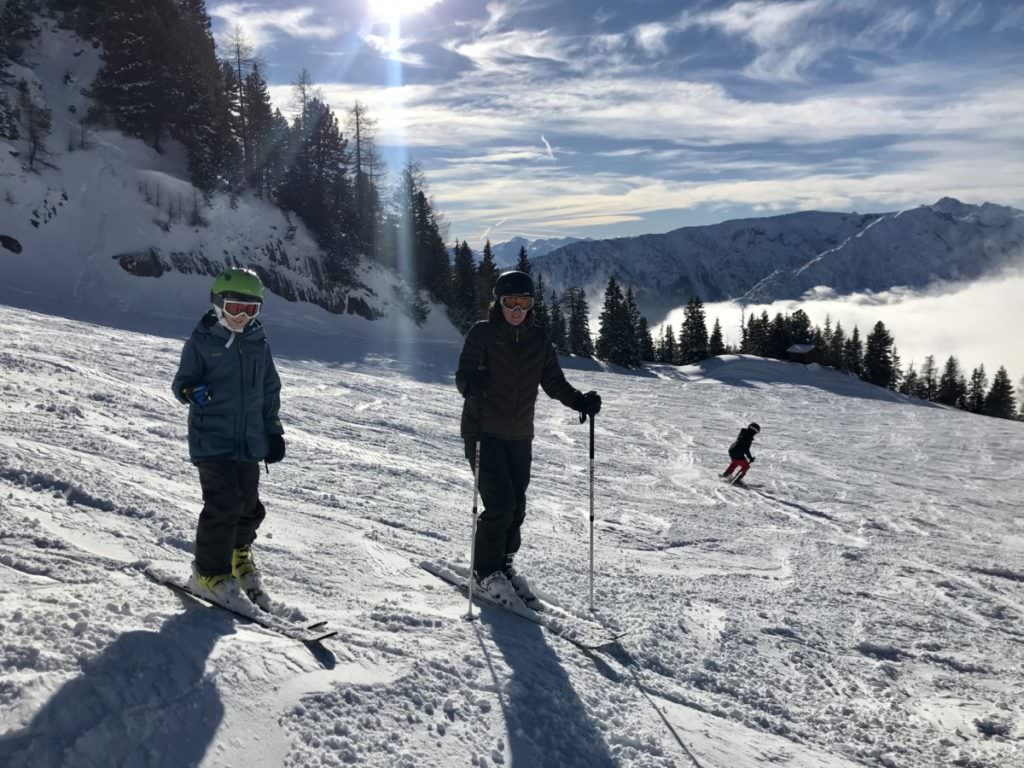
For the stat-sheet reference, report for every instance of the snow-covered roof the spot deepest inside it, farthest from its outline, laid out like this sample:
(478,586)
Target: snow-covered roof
(800,349)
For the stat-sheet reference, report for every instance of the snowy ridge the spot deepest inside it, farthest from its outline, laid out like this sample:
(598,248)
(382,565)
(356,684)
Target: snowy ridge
(506,254)
(783,257)
(861,606)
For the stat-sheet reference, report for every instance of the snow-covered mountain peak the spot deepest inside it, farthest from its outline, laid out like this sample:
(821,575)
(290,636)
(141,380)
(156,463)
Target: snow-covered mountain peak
(783,257)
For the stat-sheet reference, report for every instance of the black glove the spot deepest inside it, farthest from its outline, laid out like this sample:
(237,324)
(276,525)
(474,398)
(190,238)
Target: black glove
(588,404)
(751,459)
(275,449)
(478,382)
(197,394)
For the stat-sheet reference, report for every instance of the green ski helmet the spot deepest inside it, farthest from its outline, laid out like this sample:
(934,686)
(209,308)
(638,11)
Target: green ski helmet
(237,282)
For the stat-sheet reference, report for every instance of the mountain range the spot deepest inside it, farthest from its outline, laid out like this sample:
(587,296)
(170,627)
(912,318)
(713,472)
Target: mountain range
(506,254)
(785,257)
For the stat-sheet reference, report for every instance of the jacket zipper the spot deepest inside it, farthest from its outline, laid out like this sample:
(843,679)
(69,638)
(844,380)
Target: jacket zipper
(242,452)
(519,372)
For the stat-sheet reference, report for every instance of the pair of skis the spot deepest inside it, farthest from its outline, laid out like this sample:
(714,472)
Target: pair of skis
(586,634)
(306,633)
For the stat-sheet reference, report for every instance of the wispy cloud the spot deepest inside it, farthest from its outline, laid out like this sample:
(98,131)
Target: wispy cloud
(258,24)
(547,144)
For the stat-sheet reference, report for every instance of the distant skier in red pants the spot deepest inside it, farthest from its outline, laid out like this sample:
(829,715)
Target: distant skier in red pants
(739,452)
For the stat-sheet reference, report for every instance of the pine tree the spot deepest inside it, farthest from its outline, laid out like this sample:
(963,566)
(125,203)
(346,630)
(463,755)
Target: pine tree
(463,308)
(834,353)
(952,386)
(693,336)
(199,117)
(8,120)
(853,353)
(559,333)
(1000,401)
(614,331)
(579,339)
(910,384)
(778,338)
(648,354)
(799,326)
(37,120)
(367,167)
(897,370)
(261,128)
(755,340)
(976,390)
(637,327)
(486,276)
(878,357)
(716,346)
(17,26)
(317,187)
(523,264)
(929,379)
(279,155)
(240,61)
(668,351)
(541,314)
(433,266)
(133,85)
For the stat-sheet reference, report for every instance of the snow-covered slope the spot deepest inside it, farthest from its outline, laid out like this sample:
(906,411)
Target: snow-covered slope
(860,604)
(782,257)
(108,226)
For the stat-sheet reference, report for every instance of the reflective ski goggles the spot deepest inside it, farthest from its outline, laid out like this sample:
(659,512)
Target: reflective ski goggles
(524,303)
(236,308)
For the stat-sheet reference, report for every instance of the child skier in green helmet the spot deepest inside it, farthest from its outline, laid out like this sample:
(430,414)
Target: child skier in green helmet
(228,379)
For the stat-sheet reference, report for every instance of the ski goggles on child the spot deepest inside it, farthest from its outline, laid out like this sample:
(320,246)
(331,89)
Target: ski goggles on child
(524,303)
(239,307)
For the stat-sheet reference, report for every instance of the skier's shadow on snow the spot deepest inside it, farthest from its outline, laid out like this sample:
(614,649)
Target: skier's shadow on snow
(548,725)
(799,507)
(144,701)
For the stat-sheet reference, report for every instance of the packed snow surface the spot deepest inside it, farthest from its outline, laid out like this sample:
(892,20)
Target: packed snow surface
(860,604)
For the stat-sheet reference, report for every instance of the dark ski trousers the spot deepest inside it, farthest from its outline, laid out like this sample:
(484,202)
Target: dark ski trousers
(232,512)
(504,475)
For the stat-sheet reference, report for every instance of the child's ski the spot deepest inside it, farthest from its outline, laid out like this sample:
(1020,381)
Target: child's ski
(311,633)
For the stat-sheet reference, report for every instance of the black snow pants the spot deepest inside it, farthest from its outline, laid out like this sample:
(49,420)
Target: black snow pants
(232,512)
(504,475)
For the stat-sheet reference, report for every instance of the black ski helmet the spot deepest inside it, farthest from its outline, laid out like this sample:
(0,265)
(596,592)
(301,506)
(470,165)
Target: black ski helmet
(755,427)
(513,283)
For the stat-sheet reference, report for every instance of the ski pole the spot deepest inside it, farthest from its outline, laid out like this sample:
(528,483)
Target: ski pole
(591,512)
(472,540)
(476,503)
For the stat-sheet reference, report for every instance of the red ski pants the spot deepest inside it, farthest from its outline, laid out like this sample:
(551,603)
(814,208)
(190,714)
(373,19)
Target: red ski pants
(743,464)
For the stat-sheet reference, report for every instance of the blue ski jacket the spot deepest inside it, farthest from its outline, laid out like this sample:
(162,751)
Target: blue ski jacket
(245,388)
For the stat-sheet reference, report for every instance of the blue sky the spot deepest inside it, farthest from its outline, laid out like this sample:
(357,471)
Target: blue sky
(547,118)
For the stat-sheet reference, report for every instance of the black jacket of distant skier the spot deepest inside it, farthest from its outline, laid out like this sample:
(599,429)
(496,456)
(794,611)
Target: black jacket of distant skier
(740,449)
(517,360)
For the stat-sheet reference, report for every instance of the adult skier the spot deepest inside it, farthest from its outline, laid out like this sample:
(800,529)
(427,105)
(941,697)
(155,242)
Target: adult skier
(228,379)
(504,360)
(739,452)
